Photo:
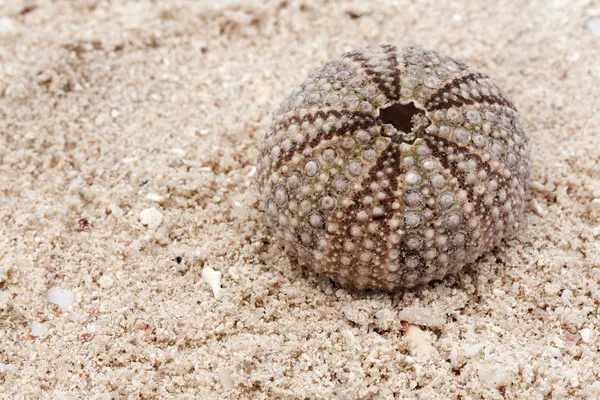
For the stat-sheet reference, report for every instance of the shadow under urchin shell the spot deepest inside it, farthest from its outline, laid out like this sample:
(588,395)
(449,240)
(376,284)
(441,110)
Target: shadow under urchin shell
(393,167)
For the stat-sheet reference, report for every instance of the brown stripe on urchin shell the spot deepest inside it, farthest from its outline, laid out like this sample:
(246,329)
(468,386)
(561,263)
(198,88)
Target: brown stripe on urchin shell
(393,92)
(451,166)
(437,100)
(389,158)
(437,97)
(442,156)
(360,120)
(487,100)
(392,156)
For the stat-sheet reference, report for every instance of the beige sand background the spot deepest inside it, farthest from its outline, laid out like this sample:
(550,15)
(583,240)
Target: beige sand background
(108,108)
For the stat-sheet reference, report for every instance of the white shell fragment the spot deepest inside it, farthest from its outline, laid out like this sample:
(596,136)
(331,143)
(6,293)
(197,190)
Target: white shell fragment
(586,334)
(178,152)
(422,316)
(213,278)
(494,374)
(472,349)
(593,25)
(154,197)
(537,207)
(7,27)
(420,343)
(38,329)
(4,298)
(225,378)
(105,281)
(61,297)
(151,217)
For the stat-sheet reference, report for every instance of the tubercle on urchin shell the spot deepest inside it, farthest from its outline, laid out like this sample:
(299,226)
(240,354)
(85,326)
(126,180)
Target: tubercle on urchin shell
(355,196)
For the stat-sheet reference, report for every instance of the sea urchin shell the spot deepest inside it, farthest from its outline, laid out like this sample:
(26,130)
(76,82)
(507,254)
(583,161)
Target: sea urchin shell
(391,167)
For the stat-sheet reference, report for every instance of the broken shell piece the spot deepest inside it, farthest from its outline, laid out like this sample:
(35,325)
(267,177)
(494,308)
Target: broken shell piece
(213,278)
(151,217)
(420,344)
(38,329)
(422,316)
(225,378)
(61,297)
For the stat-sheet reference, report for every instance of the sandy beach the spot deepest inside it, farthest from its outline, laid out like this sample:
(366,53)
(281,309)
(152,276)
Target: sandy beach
(134,263)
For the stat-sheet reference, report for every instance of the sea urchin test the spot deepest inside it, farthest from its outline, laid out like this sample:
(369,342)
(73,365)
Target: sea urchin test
(392,167)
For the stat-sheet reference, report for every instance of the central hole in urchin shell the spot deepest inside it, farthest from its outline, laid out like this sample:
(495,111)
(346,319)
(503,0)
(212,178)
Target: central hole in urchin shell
(403,117)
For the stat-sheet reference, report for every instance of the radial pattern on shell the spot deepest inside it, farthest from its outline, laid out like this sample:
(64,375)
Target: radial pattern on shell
(392,167)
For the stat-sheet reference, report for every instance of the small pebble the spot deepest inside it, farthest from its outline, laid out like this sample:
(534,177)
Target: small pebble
(593,25)
(494,375)
(4,298)
(422,316)
(551,289)
(129,160)
(586,334)
(553,352)
(558,342)
(115,113)
(566,294)
(592,391)
(7,27)
(225,378)
(161,239)
(351,338)
(539,210)
(61,297)
(234,273)
(151,217)
(454,356)
(574,381)
(421,345)
(155,197)
(472,349)
(213,278)
(105,281)
(596,231)
(38,329)
(537,186)
(178,152)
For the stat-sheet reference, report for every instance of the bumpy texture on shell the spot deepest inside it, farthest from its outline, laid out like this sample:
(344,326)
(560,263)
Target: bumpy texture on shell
(391,167)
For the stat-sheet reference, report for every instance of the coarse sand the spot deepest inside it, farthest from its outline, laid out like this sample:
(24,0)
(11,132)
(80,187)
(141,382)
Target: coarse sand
(134,263)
